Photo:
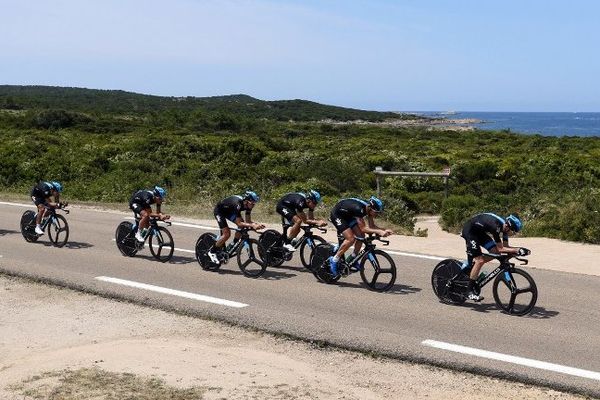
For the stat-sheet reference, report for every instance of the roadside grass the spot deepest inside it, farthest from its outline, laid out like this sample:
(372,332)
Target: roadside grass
(96,383)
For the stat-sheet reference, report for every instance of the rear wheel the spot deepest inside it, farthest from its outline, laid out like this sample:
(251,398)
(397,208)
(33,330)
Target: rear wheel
(515,292)
(307,247)
(320,265)
(204,243)
(125,239)
(28,226)
(449,282)
(272,251)
(378,271)
(58,230)
(249,260)
(161,244)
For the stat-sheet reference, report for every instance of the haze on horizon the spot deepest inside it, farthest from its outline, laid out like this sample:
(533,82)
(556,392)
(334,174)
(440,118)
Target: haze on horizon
(382,55)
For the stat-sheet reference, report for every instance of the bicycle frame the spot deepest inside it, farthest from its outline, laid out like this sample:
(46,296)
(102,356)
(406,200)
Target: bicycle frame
(50,217)
(504,266)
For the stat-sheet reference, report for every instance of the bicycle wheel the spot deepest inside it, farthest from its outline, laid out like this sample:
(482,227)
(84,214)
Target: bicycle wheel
(28,226)
(203,245)
(378,271)
(58,231)
(515,292)
(271,245)
(307,247)
(161,244)
(320,265)
(125,239)
(249,260)
(449,282)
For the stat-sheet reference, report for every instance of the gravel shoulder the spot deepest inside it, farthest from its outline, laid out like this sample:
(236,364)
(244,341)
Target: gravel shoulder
(49,334)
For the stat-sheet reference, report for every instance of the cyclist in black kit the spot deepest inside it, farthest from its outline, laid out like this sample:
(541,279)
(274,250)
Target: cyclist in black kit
(348,217)
(141,203)
(291,208)
(484,230)
(40,195)
(230,209)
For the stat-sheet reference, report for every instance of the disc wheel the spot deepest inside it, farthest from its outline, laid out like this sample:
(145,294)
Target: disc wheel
(307,248)
(203,245)
(28,226)
(161,244)
(320,265)
(125,239)
(449,282)
(249,260)
(378,271)
(58,231)
(515,292)
(271,248)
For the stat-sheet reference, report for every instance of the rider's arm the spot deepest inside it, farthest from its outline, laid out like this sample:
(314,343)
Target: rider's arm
(245,224)
(311,220)
(248,216)
(370,227)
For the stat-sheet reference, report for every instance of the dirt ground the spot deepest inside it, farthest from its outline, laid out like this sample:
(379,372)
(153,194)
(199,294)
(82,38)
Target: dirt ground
(61,344)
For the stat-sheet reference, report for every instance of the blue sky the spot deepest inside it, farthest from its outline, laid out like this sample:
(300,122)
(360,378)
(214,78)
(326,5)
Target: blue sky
(527,55)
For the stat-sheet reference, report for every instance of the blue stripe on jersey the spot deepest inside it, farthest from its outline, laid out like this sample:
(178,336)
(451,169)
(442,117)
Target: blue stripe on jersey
(497,217)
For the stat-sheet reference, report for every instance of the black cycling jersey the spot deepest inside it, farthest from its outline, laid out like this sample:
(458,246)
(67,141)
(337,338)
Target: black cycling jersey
(294,201)
(42,190)
(483,230)
(487,223)
(144,198)
(231,208)
(346,211)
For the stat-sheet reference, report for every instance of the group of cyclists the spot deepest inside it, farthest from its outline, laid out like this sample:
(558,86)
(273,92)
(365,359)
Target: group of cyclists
(352,217)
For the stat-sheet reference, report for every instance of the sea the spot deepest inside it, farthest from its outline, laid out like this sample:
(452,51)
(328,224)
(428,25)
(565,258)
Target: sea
(542,123)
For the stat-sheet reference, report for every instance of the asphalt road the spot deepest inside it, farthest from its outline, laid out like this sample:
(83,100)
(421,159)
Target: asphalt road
(558,345)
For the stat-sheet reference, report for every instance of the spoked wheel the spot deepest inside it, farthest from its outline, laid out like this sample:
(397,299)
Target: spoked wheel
(306,249)
(271,242)
(161,244)
(58,231)
(320,265)
(249,260)
(125,239)
(28,226)
(515,292)
(378,271)
(203,245)
(449,282)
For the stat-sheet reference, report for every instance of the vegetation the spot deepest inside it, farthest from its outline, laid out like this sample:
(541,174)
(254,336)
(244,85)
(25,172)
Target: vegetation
(105,144)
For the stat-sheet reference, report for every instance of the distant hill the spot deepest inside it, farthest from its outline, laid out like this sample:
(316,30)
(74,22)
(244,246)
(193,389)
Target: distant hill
(121,102)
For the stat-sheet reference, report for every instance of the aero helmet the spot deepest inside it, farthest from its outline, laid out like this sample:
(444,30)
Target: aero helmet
(251,196)
(376,204)
(160,192)
(57,186)
(514,223)
(314,196)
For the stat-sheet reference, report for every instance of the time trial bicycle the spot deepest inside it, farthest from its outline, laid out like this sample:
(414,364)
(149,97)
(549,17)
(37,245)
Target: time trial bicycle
(515,291)
(54,224)
(159,239)
(276,254)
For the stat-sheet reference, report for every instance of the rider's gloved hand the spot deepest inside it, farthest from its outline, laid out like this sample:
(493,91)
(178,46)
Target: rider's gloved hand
(165,216)
(523,251)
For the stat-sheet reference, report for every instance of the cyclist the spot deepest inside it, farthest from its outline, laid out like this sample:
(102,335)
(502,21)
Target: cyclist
(141,205)
(348,217)
(291,208)
(483,230)
(231,209)
(40,195)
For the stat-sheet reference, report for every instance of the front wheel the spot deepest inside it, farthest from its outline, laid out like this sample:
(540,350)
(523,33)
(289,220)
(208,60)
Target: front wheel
(449,282)
(249,260)
(161,244)
(306,249)
(204,243)
(515,291)
(125,239)
(28,226)
(378,271)
(58,231)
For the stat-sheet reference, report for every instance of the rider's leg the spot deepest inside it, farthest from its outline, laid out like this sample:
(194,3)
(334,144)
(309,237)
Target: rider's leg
(38,219)
(143,224)
(295,229)
(225,235)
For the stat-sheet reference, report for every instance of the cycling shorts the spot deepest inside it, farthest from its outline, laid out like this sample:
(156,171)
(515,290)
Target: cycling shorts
(343,222)
(38,200)
(475,240)
(138,208)
(287,214)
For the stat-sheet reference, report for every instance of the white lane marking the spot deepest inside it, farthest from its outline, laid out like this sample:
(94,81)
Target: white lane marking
(190,225)
(17,204)
(528,362)
(175,248)
(401,253)
(172,292)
